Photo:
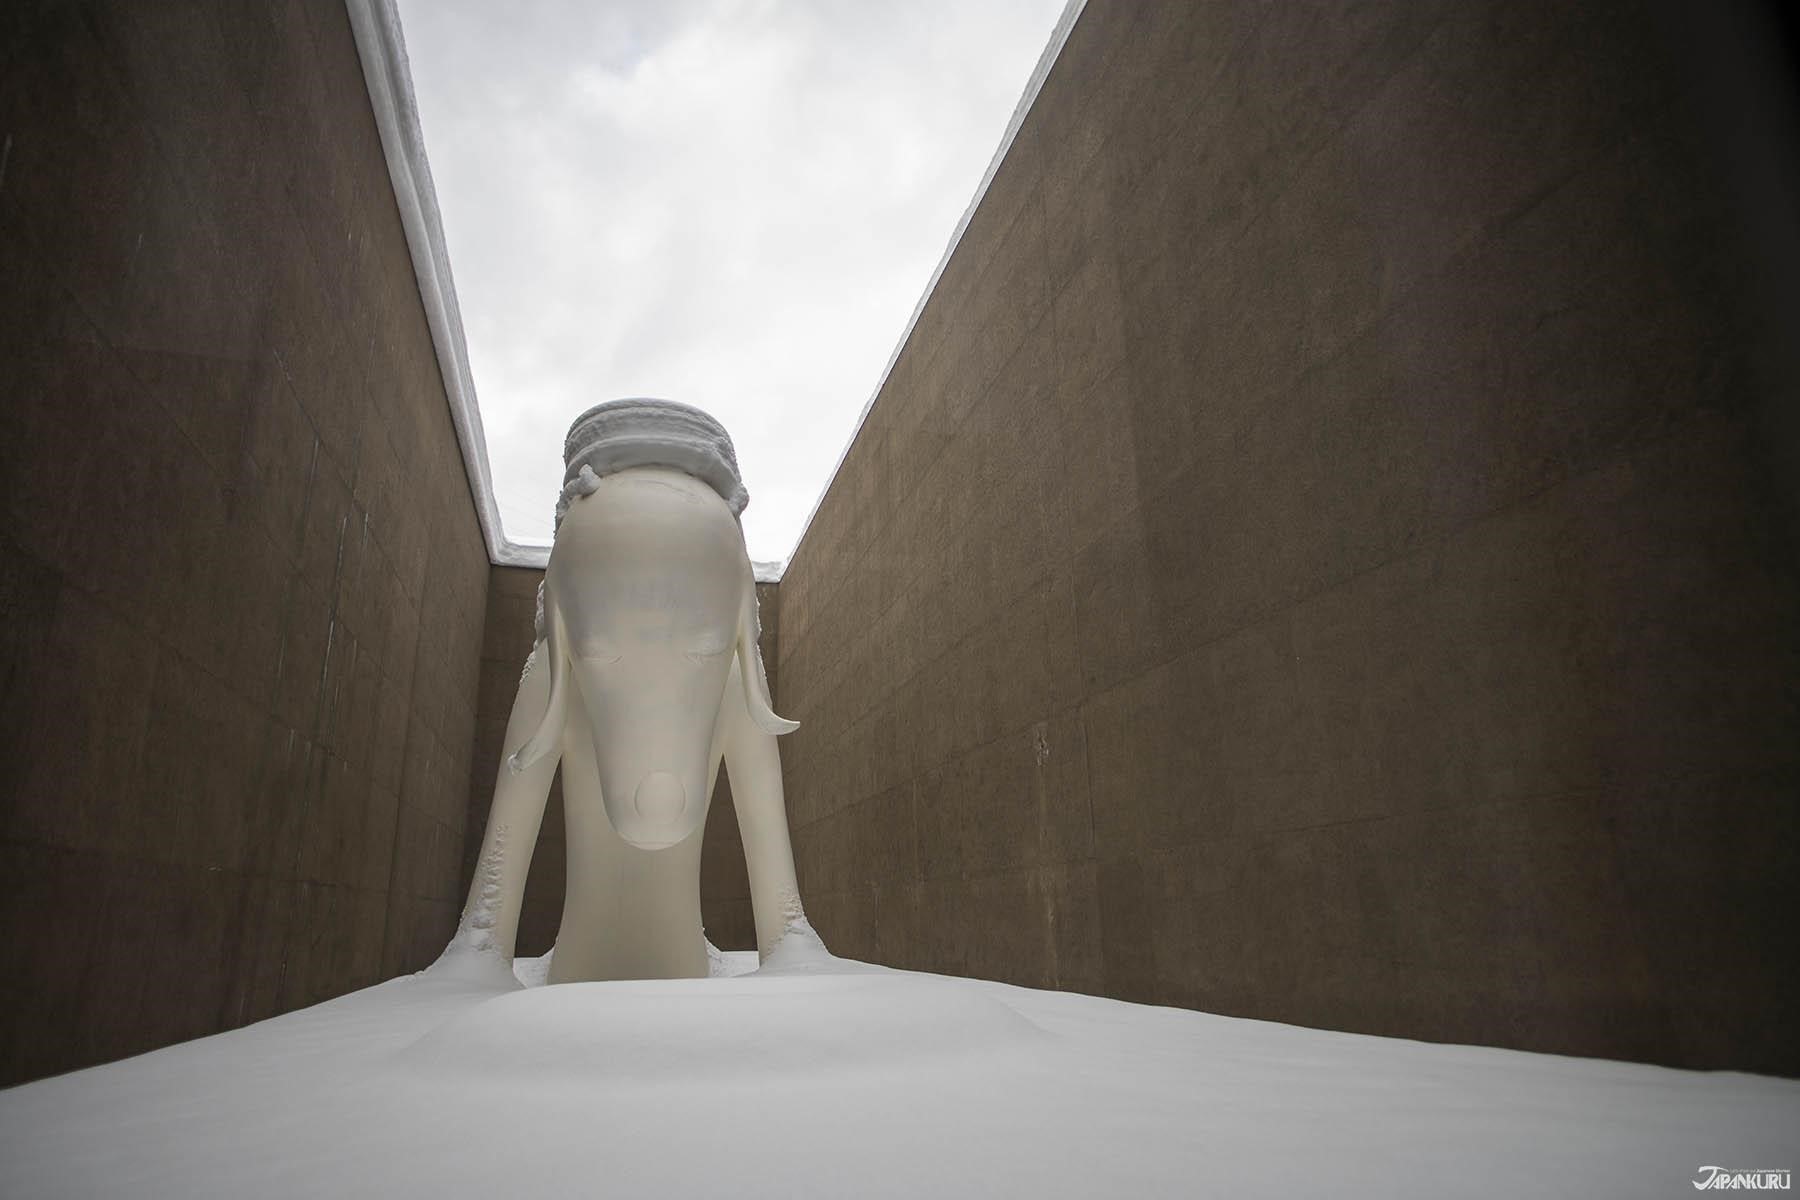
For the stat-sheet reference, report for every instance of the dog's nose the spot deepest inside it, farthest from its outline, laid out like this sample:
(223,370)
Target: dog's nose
(660,798)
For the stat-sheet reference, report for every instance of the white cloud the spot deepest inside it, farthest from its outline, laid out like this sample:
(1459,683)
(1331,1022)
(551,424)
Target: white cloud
(731,203)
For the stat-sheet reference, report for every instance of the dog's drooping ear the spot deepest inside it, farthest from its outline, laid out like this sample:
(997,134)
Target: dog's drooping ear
(750,667)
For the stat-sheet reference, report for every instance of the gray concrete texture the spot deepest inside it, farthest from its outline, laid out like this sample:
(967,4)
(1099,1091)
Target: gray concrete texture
(1320,554)
(724,883)
(242,584)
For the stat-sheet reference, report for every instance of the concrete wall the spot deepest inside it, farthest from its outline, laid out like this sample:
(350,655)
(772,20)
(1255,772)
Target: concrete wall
(241,579)
(724,883)
(1318,555)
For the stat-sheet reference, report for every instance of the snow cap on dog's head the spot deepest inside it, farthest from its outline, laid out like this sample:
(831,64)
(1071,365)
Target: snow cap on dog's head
(642,432)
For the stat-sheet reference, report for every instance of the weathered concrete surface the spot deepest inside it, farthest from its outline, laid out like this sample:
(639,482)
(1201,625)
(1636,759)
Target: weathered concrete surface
(724,884)
(241,579)
(1321,554)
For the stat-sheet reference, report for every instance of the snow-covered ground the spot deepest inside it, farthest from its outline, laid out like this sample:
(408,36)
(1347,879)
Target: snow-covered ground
(832,1078)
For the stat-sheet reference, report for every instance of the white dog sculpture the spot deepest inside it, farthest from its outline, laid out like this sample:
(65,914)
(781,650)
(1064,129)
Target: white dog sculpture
(646,674)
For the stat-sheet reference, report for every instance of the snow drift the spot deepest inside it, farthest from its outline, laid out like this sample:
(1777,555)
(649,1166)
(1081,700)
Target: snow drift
(832,1078)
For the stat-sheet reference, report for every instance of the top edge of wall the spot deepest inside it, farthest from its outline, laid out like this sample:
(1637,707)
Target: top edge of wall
(381,46)
(1059,36)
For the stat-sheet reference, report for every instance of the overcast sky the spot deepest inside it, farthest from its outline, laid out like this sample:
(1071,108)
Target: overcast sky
(731,203)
